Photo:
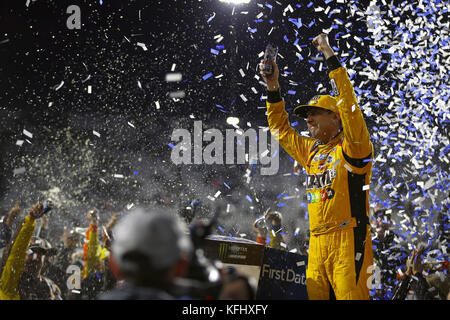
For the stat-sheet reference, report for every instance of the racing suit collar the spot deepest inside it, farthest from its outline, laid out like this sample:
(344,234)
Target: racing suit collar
(333,140)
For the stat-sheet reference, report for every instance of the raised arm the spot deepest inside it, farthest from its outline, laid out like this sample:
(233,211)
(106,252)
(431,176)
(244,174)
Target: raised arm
(295,145)
(356,143)
(91,245)
(16,260)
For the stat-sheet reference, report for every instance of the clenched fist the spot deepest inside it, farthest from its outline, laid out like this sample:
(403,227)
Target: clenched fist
(322,44)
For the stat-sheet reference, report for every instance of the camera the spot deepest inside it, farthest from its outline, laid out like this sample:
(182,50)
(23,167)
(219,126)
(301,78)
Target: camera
(203,279)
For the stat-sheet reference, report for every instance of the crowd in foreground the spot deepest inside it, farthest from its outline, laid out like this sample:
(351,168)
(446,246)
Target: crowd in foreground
(155,255)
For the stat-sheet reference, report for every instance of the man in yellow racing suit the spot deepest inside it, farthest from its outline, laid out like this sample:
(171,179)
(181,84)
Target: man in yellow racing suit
(338,163)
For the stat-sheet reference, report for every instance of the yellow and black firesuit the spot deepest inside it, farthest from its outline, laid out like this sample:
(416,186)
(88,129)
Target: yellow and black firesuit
(338,176)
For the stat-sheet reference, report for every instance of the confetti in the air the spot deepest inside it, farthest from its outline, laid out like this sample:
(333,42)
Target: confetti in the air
(112,114)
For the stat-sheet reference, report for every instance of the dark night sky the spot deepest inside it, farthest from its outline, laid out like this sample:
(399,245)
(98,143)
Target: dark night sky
(38,52)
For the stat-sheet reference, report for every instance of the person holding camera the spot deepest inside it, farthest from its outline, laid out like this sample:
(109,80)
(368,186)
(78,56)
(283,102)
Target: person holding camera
(149,252)
(337,160)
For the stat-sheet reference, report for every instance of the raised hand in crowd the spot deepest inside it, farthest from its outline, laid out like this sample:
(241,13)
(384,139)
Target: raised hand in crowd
(107,231)
(36,211)
(414,263)
(92,217)
(12,214)
(269,226)
(273,218)
(69,239)
(260,228)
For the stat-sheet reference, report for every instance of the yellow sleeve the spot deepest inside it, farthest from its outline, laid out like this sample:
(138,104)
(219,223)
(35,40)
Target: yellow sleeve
(104,253)
(92,263)
(296,146)
(357,140)
(16,260)
(275,240)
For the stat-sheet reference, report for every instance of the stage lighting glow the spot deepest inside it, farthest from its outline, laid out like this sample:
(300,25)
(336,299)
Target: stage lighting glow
(232,120)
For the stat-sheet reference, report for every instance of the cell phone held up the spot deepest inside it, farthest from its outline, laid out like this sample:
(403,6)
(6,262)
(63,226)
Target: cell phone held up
(47,206)
(270,55)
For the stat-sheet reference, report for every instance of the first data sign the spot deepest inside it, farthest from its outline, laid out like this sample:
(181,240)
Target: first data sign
(282,276)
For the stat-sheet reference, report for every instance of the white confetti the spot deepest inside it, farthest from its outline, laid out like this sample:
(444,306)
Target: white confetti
(142,45)
(27,133)
(346,166)
(19,171)
(288,8)
(59,86)
(177,94)
(174,77)
(265,153)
